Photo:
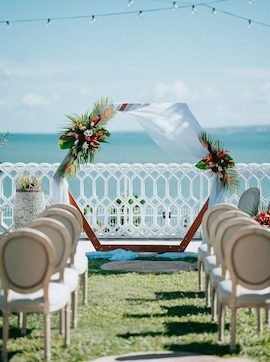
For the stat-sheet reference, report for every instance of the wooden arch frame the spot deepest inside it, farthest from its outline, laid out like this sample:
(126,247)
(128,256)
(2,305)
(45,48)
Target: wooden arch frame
(141,247)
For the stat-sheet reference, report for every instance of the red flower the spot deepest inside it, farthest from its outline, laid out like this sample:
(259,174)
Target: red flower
(221,154)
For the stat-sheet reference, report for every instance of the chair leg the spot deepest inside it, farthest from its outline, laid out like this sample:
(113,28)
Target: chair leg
(200,274)
(233,329)
(213,304)
(67,325)
(207,290)
(24,323)
(62,322)
(47,336)
(74,309)
(221,321)
(267,316)
(5,335)
(85,287)
(259,320)
(20,320)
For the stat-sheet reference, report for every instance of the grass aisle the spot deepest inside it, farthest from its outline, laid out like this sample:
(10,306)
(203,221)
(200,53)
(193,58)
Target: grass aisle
(134,312)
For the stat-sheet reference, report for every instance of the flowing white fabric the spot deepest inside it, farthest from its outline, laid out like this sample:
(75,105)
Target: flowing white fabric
(171,125)
(174,128)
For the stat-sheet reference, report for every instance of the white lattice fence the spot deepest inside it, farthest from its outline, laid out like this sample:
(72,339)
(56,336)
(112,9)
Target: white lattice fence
(134,200)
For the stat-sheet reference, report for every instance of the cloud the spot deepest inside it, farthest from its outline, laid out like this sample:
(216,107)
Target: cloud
(238,97)
(35,101)
(175,91)
(9,69)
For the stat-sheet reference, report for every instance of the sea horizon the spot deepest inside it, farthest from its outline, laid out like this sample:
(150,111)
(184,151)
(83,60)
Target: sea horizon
(246,144)
(260,127)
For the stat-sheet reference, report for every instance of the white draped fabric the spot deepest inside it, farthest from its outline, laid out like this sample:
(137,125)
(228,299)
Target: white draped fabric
(60,190)
(173,127)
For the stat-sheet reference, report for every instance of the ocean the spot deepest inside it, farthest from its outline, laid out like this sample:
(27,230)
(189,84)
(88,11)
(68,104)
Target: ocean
(246,145)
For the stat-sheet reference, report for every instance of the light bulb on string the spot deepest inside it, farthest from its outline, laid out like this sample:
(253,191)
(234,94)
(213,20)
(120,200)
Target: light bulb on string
(174,5)
(48,22)
(130,3)
(213,12)
(93,19)
(8,24)
(193,10)
(140,13)
(250,24)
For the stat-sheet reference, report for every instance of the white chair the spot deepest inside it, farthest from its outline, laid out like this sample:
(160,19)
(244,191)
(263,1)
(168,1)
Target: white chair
(208,218)
(62,243)
(249,200)
(71,276)
(27,263)
(80,262)
(222,230)
(247,256)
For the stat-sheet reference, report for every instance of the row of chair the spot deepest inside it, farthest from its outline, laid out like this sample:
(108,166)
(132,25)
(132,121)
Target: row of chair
(40,270)
(236,264)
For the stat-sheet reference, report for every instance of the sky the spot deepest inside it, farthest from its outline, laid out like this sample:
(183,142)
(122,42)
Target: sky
(216,64)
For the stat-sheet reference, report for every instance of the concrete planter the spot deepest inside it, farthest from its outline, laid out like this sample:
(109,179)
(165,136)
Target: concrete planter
(28,205)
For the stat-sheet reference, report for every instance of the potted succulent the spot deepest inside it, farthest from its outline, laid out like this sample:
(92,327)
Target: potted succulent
(29,200)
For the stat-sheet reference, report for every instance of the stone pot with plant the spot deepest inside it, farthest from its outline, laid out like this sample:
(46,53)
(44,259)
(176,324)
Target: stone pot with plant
(29,200)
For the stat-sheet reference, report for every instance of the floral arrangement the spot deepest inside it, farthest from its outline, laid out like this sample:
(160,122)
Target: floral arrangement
(84,137)
(263,218)
(28,183)
(218,161)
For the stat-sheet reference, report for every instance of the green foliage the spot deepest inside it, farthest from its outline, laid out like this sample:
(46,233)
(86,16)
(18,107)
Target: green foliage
(201,165)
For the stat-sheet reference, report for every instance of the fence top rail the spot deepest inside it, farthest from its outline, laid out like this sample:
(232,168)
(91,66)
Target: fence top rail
(123,164)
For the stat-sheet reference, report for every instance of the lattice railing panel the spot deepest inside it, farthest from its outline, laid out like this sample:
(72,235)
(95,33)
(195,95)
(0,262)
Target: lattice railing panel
(134,200)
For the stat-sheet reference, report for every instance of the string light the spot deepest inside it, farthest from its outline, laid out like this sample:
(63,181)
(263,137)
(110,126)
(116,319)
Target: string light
(174,5)
(93,19)
(253,21)
(250,24)
(213,12)
(130,3)
(193,10)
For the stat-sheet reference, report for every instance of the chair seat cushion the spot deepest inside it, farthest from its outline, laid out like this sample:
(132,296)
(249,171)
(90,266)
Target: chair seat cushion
(80,263)
(71,278)
(245,297)
(202,251)
(59,296)
(210,262)
(216,276)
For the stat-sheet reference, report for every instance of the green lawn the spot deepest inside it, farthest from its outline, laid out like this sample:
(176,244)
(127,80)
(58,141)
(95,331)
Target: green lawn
(139,312)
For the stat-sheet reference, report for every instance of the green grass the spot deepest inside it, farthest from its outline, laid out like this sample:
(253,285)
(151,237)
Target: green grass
(132,312)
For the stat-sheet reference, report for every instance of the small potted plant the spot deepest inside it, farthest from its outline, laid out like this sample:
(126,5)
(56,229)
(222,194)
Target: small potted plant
(29,200)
